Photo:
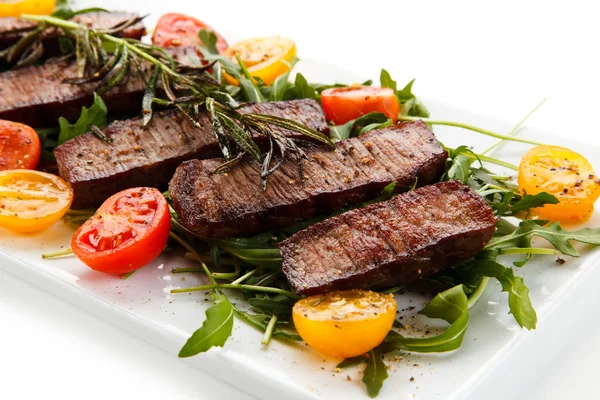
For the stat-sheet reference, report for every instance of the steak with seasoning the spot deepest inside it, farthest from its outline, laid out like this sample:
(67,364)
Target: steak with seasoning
(12,29)
(148,156)
(395,242)
(37,96)
(234,204)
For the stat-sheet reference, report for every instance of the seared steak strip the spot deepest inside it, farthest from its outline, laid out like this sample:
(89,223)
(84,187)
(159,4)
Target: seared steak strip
(13,29)
(148,156)
(395,242)
(234,204)
(37,96)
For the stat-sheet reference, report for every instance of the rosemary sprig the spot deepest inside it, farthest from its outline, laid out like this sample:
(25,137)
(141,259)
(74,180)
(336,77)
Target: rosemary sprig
(189,88)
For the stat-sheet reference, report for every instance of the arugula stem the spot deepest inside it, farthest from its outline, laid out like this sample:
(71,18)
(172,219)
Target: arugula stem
(216,275)
(474,297)
(264,289)
(492,160)
(245,276)
(195,253)
(269,330)
(469,127)
(527,250)
(516,127)
(58,253)
(128,275)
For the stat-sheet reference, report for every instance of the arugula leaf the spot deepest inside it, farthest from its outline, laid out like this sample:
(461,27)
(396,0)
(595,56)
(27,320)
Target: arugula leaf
(215,330)
(518,294)
(209,39)
(280,305)
(386,80)
(95,115)
(359,126)
(533,201)
(303,90)
(458,165)
(374,374)
(410,104)
(281,84)
(557,236)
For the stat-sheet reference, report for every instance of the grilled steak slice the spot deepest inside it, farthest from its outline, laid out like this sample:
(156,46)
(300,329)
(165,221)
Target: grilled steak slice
(234,204)
(148,156)
(13,29)
(395,242)
(36,95)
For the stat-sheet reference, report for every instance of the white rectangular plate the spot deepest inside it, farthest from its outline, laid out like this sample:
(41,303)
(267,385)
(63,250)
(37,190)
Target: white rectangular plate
(144,306)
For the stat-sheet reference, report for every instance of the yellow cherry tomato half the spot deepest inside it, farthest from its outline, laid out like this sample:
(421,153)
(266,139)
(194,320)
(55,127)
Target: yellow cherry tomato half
(345,323)
(565,174)
(14,8)
(265,58)
(31,201)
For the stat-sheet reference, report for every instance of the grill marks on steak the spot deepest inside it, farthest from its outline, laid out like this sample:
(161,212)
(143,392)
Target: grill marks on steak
(37,96)
(396,242)
(234,204)
(12,29)
(148,156)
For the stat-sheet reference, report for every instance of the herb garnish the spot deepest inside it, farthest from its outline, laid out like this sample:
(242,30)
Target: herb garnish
(108,61)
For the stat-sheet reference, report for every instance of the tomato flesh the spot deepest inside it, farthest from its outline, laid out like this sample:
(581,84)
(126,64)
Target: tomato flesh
(19,146)
(345,323)
(179,30)
(127,232)
(345,104)
(565,174)
(31,201)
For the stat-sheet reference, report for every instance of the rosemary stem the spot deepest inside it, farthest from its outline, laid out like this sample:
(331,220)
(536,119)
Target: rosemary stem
(59,253)
(269,331)
(469,127)
(74,26)
(255,288)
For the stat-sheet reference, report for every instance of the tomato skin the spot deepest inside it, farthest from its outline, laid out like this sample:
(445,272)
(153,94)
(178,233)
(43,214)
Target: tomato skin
(565,174)
(179,30)
(129,230)
(20,146)
(31,201)
(16,8)
(266,57)
(345,323)
(345,104)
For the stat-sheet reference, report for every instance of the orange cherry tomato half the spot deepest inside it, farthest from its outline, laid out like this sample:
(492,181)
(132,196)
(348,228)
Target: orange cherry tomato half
(346,323)
(178,30)
(14,8)
(345,104)
(19,146)
(565,174)
(31,201)
(266,57)
(129,230)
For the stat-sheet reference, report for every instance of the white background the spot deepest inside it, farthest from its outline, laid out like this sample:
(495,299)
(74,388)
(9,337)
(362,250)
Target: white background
(497,58)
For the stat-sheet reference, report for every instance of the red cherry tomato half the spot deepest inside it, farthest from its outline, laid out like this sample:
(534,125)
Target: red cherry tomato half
(345,104)
(127,232)
(178,30)
(19,146)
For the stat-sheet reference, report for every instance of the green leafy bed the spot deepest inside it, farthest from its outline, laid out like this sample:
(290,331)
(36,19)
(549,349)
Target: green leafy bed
(251,266)
(256,261)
